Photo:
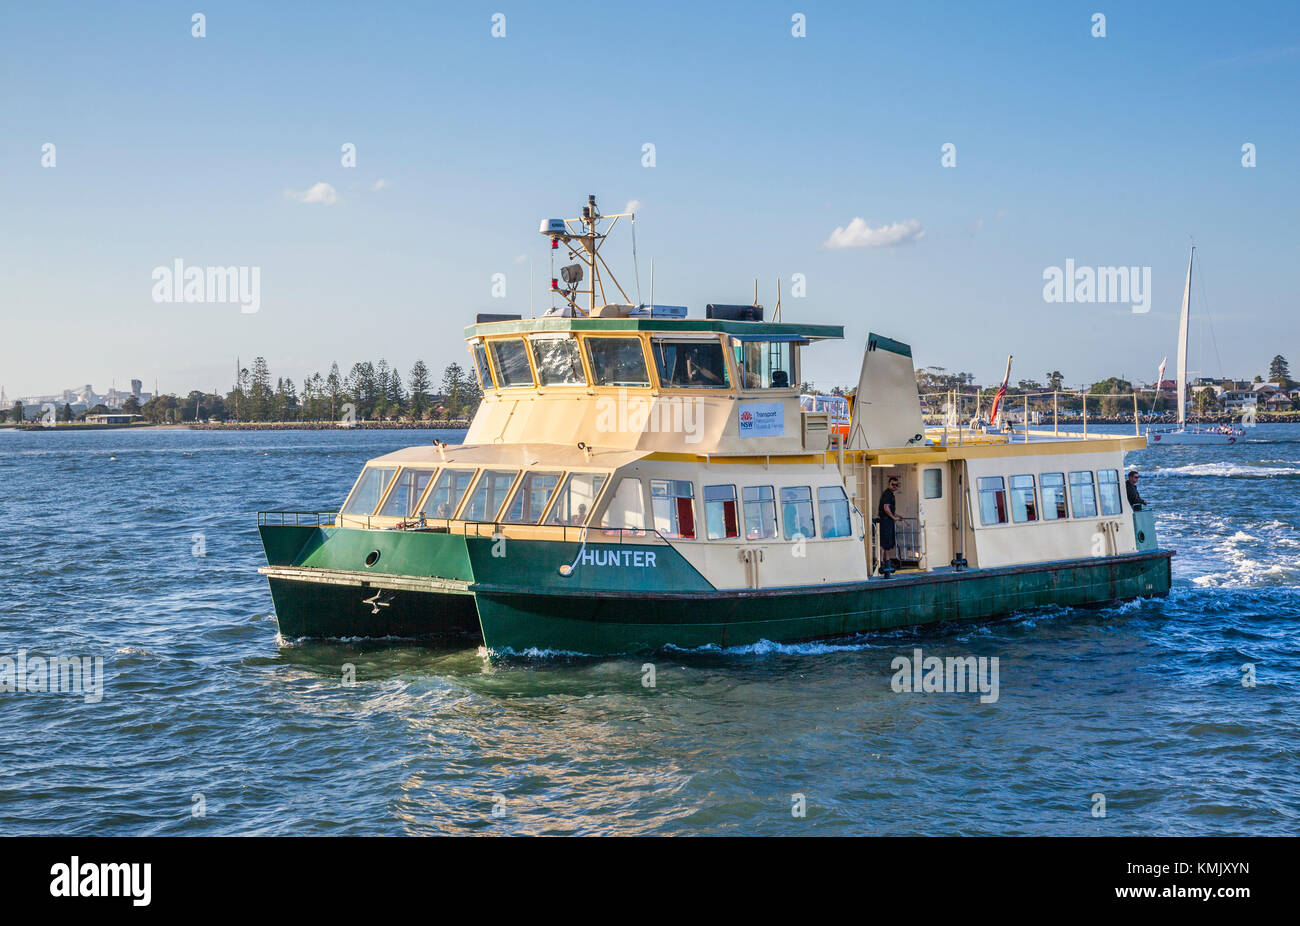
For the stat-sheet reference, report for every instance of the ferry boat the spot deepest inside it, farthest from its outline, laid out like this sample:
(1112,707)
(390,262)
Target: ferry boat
(637,478)
(1181,433)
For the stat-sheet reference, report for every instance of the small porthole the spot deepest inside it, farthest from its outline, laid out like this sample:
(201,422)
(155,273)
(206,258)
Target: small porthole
(1142,536)
(372,558)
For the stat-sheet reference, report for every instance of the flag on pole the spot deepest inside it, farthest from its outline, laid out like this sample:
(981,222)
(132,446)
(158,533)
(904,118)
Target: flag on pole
(1000,394)
(1160,374)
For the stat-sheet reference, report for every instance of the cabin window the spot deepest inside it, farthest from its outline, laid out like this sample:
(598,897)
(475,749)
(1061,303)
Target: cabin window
(489,494)
(511,361)
(767,364)
(834,507)
(993,500)
(481,368)
(1024,501)
(626,509)
(720,517)
(447,492)
(1082,499)
(535,490)
(1108,486)
(760,512)
(368,490)
(673,505)
(406,493)
(797,512)
(1054,506)
(932,483)
(690,364)
(578,497)
(558,362)
(617,362)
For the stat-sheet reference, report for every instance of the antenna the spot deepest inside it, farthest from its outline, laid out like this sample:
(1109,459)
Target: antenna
(652,281)
(777,314)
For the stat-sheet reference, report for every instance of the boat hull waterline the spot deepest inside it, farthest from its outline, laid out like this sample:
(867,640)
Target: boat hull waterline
(607,605)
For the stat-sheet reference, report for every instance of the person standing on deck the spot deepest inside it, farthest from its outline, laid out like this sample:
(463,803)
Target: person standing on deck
(885,513)
(1135,501)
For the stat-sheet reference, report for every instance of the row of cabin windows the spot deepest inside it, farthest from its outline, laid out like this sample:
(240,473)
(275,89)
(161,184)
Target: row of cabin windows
(620,362)
(1017,498)
(506,496)
(754,511)
(497,494)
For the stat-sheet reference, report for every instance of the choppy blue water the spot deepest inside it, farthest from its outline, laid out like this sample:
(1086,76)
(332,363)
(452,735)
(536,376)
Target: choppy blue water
(205,709)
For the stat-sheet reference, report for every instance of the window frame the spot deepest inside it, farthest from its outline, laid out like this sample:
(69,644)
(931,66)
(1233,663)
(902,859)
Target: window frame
(479,356)
(734,501)
(677,534)
(1119,493)
(519,488)
(393,487)
(1092,486)
(590,339)
(1033,509)
(497,377)
(745,503)
(848,511)
(980,491)
(1063,487)
(687,339)
(535,339)
(379,499)
(793,374)
(812,514)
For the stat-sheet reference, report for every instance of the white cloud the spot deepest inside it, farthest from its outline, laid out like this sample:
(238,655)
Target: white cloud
(321,193)
(380,184)
(859,234)
(633,205)
(520,258)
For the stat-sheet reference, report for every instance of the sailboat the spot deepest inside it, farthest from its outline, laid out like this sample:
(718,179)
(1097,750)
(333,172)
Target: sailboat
(1181,433)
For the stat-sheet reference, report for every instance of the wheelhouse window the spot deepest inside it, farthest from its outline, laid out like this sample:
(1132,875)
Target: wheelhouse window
(1054,504)
(760,512)
(993,500)
(626,509)
(721,520)
(481,368)
(535,490)
(558,362)
(1024,501)
(672,503)
(797,512)
(368,490)
(1108,487)
(767,364)
(511,361)
(696,364)
(489,494)
(932,483)
(617,362)
(1082,498)
(406,493)
(578,497)
(834,507)
(447,492)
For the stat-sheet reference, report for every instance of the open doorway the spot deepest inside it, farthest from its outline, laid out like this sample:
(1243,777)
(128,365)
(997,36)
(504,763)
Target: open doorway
(906,550)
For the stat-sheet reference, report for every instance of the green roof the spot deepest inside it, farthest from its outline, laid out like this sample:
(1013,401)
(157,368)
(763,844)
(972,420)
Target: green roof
(666,325)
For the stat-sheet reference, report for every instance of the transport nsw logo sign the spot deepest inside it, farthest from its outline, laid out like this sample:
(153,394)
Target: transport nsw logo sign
(761,419)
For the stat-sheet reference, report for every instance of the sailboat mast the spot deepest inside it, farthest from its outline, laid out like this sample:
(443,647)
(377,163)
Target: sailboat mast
(1182,343)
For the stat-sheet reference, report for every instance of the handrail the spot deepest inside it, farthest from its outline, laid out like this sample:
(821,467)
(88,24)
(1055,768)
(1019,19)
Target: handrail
(575,533)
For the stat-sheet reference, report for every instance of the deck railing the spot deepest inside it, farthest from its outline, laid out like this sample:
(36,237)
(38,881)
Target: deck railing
(962,415)
(572,533)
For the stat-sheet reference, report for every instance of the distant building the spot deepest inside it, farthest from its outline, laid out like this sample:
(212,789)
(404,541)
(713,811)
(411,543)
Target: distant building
(113,418)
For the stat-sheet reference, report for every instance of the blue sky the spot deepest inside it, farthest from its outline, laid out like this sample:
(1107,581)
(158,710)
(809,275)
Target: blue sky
(1111,151)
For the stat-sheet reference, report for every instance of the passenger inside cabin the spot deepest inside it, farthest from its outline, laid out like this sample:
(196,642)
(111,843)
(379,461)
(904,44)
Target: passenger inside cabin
(1135,501)
(886,514)
(581,516)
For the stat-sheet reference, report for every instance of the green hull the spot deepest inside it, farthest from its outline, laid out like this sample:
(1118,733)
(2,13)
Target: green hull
(633,597)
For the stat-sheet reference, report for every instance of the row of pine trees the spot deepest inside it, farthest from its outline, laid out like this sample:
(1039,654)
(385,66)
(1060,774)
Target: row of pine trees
(374,391)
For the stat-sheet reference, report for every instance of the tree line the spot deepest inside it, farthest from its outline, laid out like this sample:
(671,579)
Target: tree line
(369,391)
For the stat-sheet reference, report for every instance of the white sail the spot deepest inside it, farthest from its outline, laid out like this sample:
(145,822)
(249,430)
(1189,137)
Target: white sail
(1182,344)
